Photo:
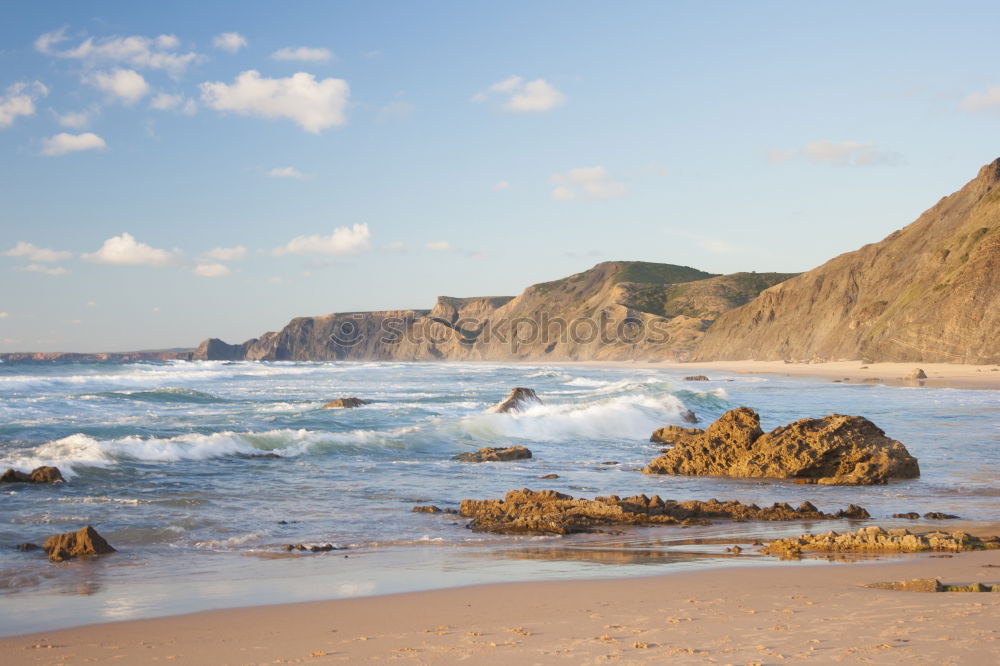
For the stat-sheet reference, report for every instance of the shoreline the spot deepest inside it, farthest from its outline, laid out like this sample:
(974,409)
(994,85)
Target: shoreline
(939,375)
(728,615)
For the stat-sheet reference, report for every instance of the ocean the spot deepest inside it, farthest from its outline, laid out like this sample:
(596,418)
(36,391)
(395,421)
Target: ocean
(165,461)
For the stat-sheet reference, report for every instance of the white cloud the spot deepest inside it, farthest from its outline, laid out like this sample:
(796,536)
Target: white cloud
(285,172)
(303,54)
(19,100)
(76,119)
(41,268)
(394,111)
(137,51)
(501,186)
(63,143)
(984,101)
(343,240)
(124,250)
(396,246)
(127,84)
(438,246)
(537,95)
(314,105)
(229,41)
(211,270)
(593,182)
(42,255)
(837,153)
(227,253)
(165,102)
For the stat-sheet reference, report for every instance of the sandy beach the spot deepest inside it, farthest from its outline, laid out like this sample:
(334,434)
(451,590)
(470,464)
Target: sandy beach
(939,375)
(813,613)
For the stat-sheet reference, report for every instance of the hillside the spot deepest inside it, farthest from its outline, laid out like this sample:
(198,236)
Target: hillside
(929,292)
(615,310)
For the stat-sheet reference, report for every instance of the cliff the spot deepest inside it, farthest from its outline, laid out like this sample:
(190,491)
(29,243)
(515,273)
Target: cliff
(616,310)
(929,292)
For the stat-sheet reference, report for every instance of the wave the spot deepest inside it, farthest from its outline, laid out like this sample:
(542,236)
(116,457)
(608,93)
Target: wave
(161,395)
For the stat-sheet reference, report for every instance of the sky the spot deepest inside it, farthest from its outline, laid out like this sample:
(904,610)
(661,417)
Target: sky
(176,171)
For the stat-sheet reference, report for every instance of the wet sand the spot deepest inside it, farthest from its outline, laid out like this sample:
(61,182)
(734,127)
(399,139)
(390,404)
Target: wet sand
(816,614)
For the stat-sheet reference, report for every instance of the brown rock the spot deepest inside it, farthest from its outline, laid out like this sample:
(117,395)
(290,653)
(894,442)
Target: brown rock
(550,512)
(937,515)
(85,541)
(494,454)
(518,399)
(696,378)
(426,508)
(346,403)
(916,373)
(549,476)
(913,585)
(910,515)
(835,449)
(876,539)
(27,547)
(37,475)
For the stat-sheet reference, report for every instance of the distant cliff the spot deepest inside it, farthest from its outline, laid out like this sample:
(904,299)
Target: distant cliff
(929,292)
(616,310)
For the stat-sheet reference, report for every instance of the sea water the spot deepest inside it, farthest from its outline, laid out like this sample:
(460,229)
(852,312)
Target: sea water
(165,461)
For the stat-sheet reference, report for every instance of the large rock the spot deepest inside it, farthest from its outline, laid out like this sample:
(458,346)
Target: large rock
(835,449)
(550,512)
(874,539)
(38,475)
(346,403)
(495,454)
(85,541)
(518,399)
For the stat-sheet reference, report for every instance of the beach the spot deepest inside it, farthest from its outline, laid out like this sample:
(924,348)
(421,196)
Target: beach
(796,614)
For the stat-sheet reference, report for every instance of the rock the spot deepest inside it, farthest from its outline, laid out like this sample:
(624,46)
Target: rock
(836,449)
(550,512)
(913,585)
(696,378)
(27,547)
(426,508)
(518,399)
(549,476)
(910,515)
(83,542)
(736,550)
(610,462)
(37,475)
(916,373)
(875,539)
(494,454)
(346,403)
(937,515)
(688,416)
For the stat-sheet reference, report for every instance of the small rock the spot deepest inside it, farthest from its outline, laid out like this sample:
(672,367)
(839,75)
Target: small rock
(737,550)
(916,373)
(346,403)
(688,416)
(519,398)
(85,541)
(696,378)
(910,515)
(494,454)
(549,476)
(937,515)
(914,585)
(27,547)
(610,462)
(426,508)
(37,475)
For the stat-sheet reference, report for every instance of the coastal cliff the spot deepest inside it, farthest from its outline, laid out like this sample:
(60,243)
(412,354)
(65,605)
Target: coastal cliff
(929,292)
(614,311)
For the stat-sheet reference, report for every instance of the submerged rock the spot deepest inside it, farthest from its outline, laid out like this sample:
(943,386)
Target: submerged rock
(912,585)
(518,399)
(426,508)
(937,515)
(85,541)
(494,454)
(346,403)
(909,515)
(37,475)
(696,378)
(874,539)
(836,449)
(550,512)
(688,416)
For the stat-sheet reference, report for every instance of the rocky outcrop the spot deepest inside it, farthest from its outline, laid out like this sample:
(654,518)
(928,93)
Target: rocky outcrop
(929,292)
(931,585)
(84,542)
(550,512)
(874,539)
(346,403)
(518,399)
(495,454)
(615,310)
(37,475)
(835,449)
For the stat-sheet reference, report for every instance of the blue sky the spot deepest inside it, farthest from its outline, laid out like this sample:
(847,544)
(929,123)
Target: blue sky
(173,171)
